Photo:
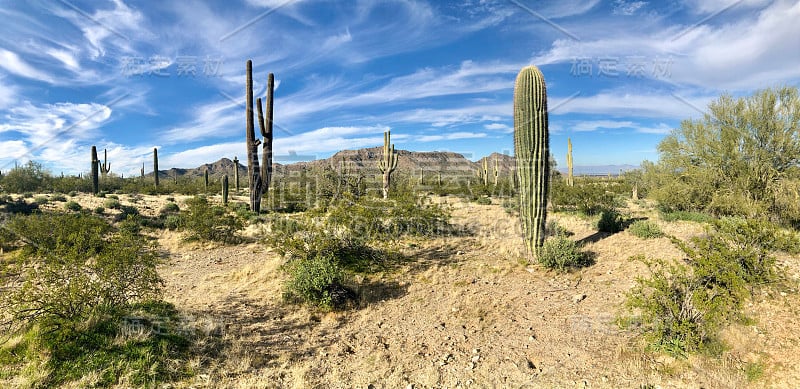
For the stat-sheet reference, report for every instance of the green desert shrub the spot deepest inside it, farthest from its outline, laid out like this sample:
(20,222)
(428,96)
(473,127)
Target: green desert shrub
(169,208)
(41,200)
(562,254)
(645,229)
(99,210)
(203,221)
(683,305)
(316,280)
(112,203)
(72,206)
(483,200)
(610,221)
(59,198)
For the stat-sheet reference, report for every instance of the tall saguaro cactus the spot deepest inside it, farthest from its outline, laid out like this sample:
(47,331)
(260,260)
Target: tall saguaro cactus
(531,149)
(253,169)
(485,171)
(265,124)
(388,162)
(142,171)
(225,190)
(95,165)
(155,166)
(205,178)
(236,172)
(570,180)
(496,171)
(105,168)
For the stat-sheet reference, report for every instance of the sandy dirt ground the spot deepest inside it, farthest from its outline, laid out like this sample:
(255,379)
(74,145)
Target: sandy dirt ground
(464,311)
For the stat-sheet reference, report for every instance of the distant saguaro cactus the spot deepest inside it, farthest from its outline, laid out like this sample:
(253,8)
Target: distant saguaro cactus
(570,179)
(205,178)
(485,171)
(236,172)
(388,162)
(142,171)
(531,149)
(155,165)
(253,169)
(496,171)
(95,166)
(225,190)
(105,168)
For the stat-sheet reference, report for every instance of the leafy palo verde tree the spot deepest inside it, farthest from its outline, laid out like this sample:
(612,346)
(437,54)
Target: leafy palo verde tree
(531,150)
(741,158)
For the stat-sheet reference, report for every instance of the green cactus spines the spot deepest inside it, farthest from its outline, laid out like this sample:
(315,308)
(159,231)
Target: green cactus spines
(531,150)
(570,179)
(388,162)
(225,190)
(95,166)
(155,166)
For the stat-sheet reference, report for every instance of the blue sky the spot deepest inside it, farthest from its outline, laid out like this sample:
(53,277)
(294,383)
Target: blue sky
(129,75)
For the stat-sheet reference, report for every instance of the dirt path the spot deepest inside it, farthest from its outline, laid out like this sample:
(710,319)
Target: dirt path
(464,312)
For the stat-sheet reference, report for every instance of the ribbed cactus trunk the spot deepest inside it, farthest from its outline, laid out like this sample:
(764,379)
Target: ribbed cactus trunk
(236,173)
(95,168)
(105,167)
(496,171)
(155,166)
(531,149)
(265,124)
(225,190)
(485,171)
(253,169)
(570,179)
(388,162)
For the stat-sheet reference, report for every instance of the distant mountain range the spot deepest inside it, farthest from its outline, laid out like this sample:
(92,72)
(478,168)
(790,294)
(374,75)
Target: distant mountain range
(366,161)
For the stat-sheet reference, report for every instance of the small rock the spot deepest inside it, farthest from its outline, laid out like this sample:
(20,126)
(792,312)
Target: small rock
(410,386)
(578,298)
(476,358)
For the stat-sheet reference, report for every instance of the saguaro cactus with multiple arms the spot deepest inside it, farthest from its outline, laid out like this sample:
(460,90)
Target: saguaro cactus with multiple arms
(105,167)
(265,124)
(570,180)
(253,169)
(155,166)
(485,171)
(531,149)
(388,162)
(95,166)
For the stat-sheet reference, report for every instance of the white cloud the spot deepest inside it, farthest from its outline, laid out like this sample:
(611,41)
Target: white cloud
(450,136)
(620,103)
(745,53)
(661,128)
(594,125)
(41,123)
(12,63)
(627,8)
(498,127)
(718,6)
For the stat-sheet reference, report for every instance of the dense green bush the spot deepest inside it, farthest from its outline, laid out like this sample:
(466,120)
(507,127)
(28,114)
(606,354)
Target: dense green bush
(645,229)
(169,208)
(562,254)
(739,160)
(112,203)
(587,196)
(72,206)
(316,280)
(610,221)
(71,266)
(203,221)
(683,305)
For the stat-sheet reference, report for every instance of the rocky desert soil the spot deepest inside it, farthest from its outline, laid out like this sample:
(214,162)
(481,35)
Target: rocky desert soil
(464,311)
